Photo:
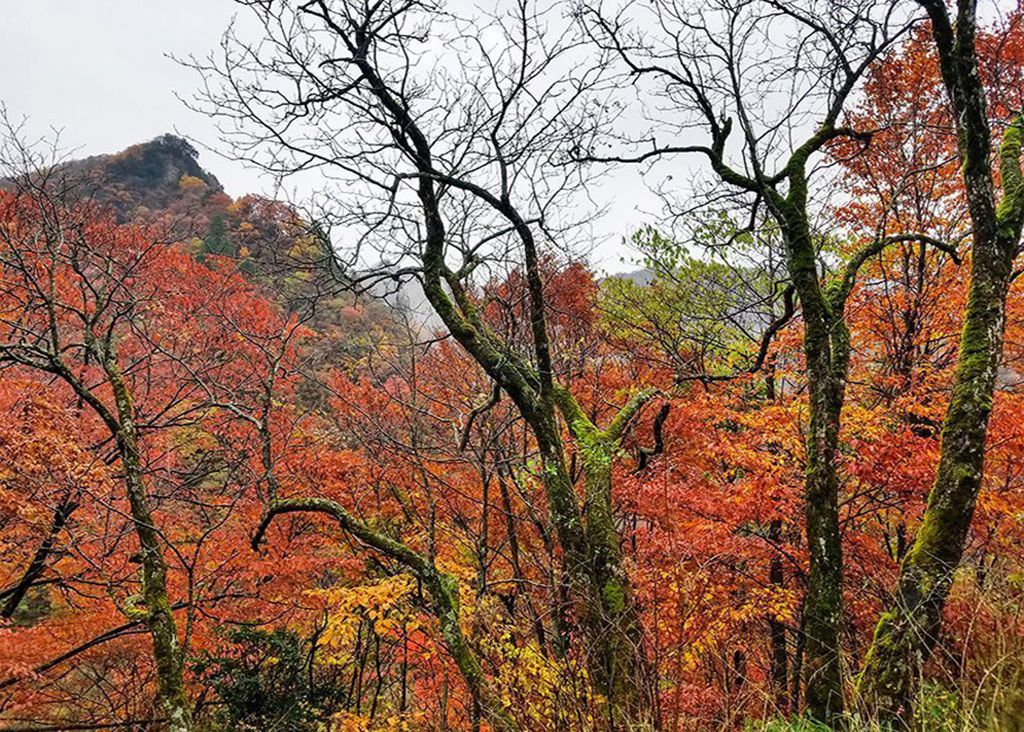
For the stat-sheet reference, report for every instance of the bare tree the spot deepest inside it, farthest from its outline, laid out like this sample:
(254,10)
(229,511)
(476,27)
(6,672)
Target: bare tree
(778,74)
(448,142)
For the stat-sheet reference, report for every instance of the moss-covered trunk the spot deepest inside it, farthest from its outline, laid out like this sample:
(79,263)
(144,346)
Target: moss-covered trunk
(444,592)
(606,617)
(600,592)
(615,637)
(823,607)
(443,589)
(157,613)
(907,631)
(531,387)
(826,352)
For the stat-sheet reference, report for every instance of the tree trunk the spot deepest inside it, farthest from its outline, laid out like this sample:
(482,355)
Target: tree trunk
(444,592)
(38,564)
(615,638)
(826,351)
(599,586)
(779,671)
(610,622)
(443,589)
(824,605)
(158,616)
(908,629)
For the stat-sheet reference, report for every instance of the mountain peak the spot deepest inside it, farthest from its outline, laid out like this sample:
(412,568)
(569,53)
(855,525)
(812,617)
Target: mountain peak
(146,175)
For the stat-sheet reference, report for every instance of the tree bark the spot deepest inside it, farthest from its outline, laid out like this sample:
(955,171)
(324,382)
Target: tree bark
(613,626)
(157,613)
(612,629)
(826,352)
(907,631)
(779,670)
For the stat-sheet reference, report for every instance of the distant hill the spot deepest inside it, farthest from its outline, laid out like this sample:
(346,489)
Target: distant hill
(161,183)
(142,178)
(642,277)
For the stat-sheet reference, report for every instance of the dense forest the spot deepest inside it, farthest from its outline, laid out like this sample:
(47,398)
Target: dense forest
(400,456)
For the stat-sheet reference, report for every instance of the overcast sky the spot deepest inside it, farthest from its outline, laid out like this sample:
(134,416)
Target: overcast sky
(98,71)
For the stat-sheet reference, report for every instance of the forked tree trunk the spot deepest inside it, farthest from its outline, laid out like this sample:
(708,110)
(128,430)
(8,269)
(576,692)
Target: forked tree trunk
(600,589)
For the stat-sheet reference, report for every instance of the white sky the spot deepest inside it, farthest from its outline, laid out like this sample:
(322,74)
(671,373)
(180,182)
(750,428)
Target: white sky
(98,71)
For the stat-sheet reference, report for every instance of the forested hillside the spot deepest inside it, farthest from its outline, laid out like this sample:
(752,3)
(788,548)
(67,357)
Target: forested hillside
(771,480)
